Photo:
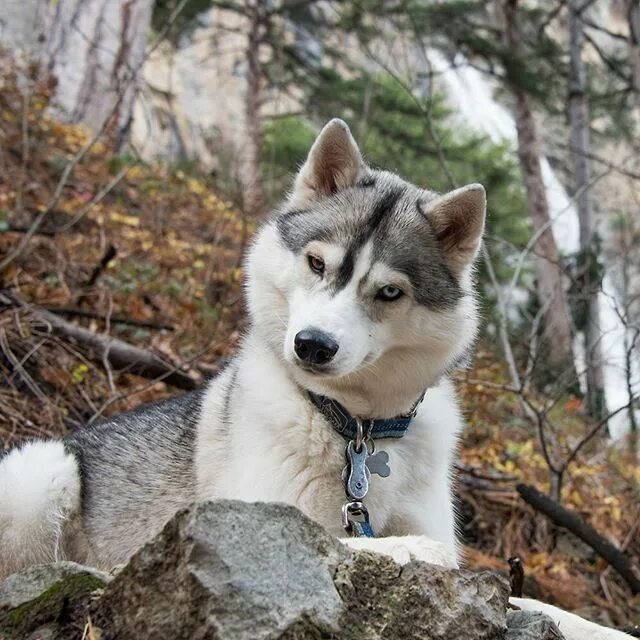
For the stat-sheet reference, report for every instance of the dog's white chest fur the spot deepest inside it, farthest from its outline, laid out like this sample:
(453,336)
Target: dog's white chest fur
(273,445)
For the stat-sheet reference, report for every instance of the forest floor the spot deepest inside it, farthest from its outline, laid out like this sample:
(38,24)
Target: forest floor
(152,255)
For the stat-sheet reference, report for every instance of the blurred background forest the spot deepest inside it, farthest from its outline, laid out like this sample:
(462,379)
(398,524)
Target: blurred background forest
(142,142)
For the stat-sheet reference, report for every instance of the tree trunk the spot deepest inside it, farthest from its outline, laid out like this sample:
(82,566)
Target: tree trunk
(93,48)
(589,271)
(633,13)
(557,339)
(106,41)
(631,333)
(253,197)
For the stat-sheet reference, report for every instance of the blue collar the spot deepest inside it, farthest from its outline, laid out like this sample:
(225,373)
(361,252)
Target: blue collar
(345,424)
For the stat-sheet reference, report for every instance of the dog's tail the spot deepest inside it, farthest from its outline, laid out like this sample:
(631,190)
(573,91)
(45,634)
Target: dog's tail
(39,492)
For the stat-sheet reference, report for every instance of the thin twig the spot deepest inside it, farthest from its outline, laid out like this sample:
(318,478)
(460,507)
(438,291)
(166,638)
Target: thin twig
(121,354)
(96,199)
(115,319)
(105,355)
(594,431)
(53,202)
(18,368)
(151,383)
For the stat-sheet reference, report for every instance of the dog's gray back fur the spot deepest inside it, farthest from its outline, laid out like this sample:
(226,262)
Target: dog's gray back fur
(145,458)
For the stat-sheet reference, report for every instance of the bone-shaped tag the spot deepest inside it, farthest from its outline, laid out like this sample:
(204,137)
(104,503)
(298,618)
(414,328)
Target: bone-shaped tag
(378,463)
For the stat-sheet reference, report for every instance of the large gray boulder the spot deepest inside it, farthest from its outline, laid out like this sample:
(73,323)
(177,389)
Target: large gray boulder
(227,570)
(236,571)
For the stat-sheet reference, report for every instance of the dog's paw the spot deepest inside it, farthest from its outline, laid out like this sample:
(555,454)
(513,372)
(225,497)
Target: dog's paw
(403,549)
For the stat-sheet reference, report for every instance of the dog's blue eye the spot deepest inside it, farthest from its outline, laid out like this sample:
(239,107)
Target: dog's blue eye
(389,293)
(316,264)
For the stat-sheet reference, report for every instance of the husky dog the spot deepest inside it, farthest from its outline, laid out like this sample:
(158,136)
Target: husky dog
(360,296)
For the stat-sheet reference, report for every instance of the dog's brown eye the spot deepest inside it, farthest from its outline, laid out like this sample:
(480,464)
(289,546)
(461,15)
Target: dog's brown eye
(389,293)
(316,264)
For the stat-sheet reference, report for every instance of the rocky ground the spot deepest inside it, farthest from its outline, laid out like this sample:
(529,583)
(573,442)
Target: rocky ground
(237,571)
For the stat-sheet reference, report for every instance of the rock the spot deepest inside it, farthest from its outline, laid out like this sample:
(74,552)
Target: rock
(48,601)
(232,570)
(531,625)
(227,570)
(383,600)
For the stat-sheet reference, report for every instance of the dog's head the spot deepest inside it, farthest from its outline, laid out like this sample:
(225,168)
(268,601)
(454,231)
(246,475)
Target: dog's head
(364,275)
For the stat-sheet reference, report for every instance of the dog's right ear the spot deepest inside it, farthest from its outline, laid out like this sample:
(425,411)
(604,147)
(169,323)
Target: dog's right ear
(334,163)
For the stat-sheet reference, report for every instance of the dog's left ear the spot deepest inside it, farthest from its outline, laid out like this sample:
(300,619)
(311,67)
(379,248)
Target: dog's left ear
(334,163)
(458,221)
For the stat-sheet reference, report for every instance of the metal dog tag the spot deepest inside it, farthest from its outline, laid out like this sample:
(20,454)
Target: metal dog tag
(356,475)
(378,463)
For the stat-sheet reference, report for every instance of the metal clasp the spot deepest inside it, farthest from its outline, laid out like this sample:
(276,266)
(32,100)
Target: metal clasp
(359,439)
(352,510)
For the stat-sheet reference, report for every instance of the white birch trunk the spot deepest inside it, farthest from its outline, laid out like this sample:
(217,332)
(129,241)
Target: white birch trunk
(94,48)
(633,13)
(588,267)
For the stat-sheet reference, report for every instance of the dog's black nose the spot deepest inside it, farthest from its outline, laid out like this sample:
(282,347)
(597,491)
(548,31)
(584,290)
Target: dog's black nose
(315,347)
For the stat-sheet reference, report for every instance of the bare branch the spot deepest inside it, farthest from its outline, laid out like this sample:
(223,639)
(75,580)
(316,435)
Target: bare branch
(121,355)
(571,521)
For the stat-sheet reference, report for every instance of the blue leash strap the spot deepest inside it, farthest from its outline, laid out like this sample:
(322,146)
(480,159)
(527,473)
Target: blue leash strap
(362,530)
